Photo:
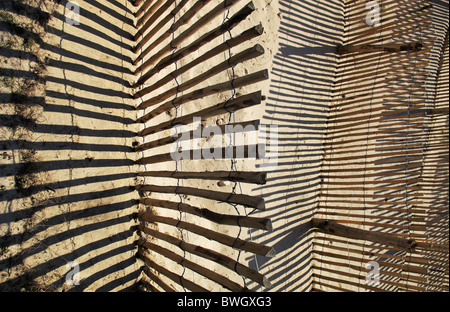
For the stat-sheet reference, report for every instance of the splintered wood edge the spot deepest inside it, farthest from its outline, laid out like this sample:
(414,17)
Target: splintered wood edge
(272,253)
(268,225)
(261,205)
(266,282)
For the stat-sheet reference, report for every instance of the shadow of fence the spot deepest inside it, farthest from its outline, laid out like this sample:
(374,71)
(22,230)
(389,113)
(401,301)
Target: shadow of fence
(301,82)
(67,170)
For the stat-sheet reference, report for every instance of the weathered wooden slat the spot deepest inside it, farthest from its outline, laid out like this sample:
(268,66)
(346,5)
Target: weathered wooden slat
(227,240)
(202,21)
(241,57)
(219,279)
(244,37)
(157,280)
(234,176)
(144,285)
(438,111)
(143,35)
(233,105)
(205,91)
(208,37)
(334,228)
(182,21)
(240,199)
(211,255)
(243,221)
(435,246)
(356,247)
(402,227)
(137,3)
(237,127)
(417,219)
(235,152)
(365,48)
(143,8)
(174,277)
(151,15)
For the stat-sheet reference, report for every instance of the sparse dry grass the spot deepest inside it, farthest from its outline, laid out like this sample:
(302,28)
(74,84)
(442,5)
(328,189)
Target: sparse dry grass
(22,88)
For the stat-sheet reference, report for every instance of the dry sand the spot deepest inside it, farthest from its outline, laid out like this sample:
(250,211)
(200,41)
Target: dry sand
(81,205)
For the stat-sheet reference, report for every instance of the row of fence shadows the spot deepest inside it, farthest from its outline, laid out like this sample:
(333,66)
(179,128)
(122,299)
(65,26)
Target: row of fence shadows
(372,201)
(72,194)
(159,46)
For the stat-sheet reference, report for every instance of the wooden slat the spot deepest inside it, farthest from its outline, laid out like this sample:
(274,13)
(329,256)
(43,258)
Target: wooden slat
(219,279)
(238,127)
(240,57)
(205,91)
(157,280)
(174,277)
(208,37)
(211,255)
(334,228)
(240,199)
(226,107)
(202,21)
(234,176)
(227,240)
(243,37)
(232,152)
(182,21)
(243,221)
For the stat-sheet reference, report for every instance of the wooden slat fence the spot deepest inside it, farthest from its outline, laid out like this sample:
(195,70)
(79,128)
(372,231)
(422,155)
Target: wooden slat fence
(382,220)
(186,66)
(382,217)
